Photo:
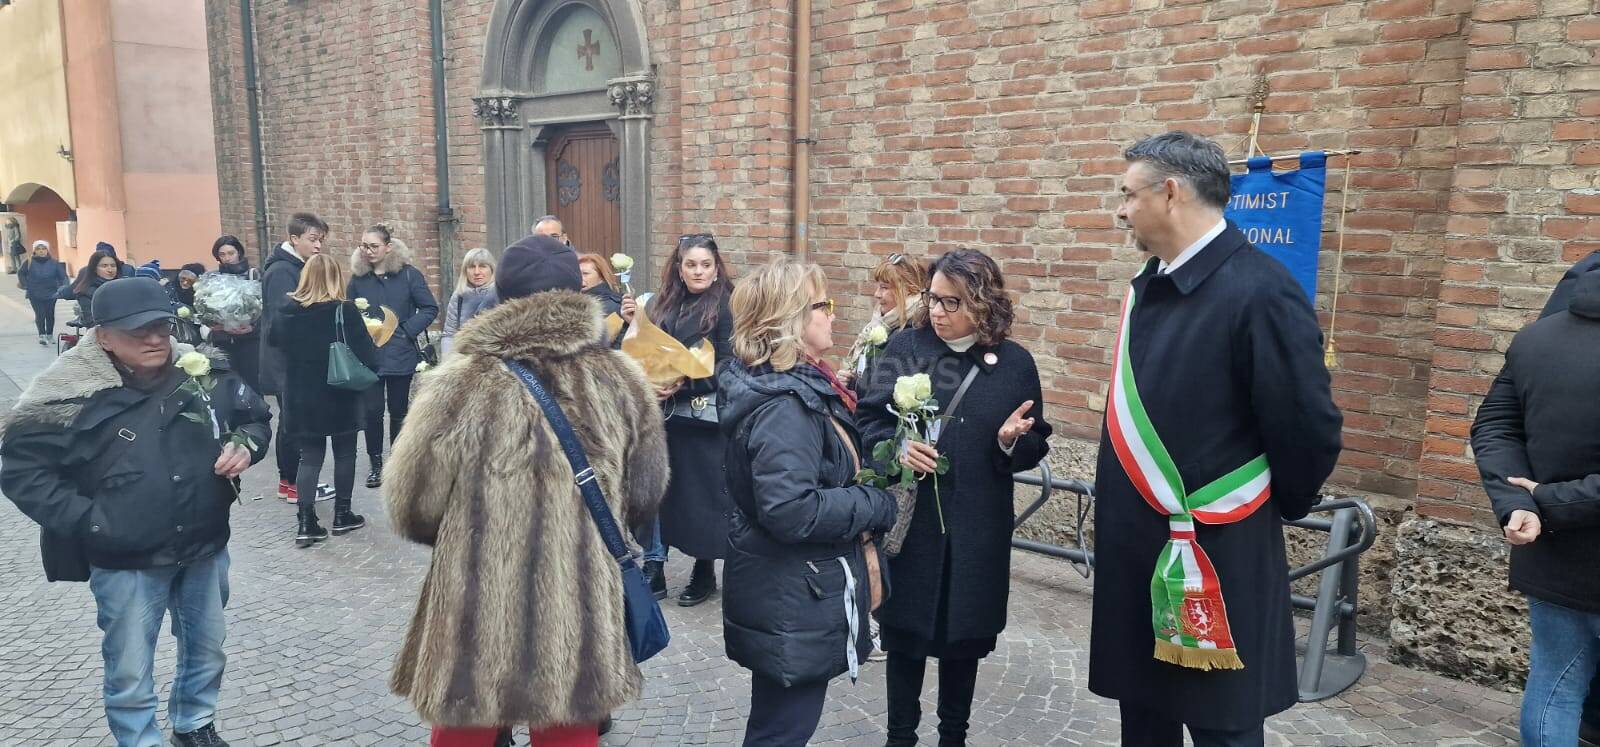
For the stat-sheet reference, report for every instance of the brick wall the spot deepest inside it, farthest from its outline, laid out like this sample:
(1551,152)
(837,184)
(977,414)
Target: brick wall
(1525,205)
(999,126)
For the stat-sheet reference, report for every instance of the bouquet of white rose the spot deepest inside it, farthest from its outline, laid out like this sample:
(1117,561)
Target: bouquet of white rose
(232,302)
(623,264)
(919,420)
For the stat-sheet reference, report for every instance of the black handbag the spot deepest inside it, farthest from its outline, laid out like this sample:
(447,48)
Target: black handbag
(647,628)
(700,409)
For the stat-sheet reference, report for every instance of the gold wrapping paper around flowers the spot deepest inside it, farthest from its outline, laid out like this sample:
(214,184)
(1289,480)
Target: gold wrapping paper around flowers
(382,330)
(664,359)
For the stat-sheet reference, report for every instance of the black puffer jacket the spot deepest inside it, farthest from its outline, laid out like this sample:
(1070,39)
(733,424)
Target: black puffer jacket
(279,277)
(796,515)
(157,501)
(399,285)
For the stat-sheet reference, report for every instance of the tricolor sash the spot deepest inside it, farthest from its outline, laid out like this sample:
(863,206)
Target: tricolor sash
(1190,619)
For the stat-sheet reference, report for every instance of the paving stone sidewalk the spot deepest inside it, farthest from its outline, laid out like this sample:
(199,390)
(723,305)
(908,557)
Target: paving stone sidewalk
(312,634)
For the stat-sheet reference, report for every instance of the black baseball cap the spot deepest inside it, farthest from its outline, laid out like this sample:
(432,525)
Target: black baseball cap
(130,303)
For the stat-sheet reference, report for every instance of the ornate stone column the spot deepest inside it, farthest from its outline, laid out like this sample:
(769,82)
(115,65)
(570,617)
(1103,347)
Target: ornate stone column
(634,96)
(503,187)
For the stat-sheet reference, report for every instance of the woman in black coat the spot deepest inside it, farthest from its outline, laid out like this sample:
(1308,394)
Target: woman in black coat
(693,306)
(798,589)
(382,273)
(953,574)
(313,317)
(103,267)
(243,347)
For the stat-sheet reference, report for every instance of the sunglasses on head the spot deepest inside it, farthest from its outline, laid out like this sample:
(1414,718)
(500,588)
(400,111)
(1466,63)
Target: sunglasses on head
(691,237)
(895,259)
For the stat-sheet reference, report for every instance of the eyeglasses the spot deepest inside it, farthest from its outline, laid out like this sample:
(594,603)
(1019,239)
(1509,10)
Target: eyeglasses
(371,247)
(1127,194)
(950,304)
(161,329)
(825,305)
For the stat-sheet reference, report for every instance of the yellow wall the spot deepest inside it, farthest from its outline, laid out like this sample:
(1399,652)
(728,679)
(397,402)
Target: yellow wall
(33,123)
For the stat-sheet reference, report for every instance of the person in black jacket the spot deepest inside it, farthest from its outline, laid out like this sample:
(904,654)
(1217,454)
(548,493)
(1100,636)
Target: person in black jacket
(1536,445)
(601,282)
(692,306)
(133,497)
(317,412)
(798,585)
(280,276)
(102,268)
(40,277)
(382,273)
(952,576)
(243,346)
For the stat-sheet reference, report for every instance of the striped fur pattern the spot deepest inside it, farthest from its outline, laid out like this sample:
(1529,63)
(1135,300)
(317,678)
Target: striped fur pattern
(520,618)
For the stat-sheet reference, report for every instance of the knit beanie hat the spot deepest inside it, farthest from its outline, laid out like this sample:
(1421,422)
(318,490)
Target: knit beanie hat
(536,264)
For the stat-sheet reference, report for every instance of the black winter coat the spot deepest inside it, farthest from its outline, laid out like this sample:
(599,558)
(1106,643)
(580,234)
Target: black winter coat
(40,279)
(157,501)
(1562,295)
(303,333)
(400,286)
(1228,360)
(84,299)
(974,548)
(695,514)
(1538,422)
(279,277)
(610,300)
(797,513)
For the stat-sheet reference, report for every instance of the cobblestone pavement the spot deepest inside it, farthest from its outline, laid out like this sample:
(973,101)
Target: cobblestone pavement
(312,633)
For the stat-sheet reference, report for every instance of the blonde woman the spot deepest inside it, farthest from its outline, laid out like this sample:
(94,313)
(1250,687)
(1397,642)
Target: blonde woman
(900,281)
(797,586)
(474,293)
(317,314)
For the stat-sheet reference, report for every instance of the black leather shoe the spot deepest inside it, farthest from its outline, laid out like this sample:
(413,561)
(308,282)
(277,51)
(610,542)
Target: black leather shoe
(309,532)
(345,521)
(702,584)
(375,477)
(205,736)
(656,574)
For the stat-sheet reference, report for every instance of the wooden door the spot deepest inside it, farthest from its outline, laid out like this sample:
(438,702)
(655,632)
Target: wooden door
(584,187)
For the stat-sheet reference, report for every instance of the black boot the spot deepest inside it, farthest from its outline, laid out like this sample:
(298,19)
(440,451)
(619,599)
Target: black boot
(205,736)
(605,726)
(375,477)
(656,574)
(905,698)
(346,521)
(958,678)
(310,532)
(702,584)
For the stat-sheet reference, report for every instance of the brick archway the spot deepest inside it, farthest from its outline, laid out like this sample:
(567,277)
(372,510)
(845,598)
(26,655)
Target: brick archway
(518,117)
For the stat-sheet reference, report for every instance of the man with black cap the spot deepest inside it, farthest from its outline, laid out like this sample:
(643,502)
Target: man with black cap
(130,471)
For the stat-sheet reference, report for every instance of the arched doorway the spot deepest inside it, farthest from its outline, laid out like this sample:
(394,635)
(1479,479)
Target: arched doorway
(565,109)
(39,209)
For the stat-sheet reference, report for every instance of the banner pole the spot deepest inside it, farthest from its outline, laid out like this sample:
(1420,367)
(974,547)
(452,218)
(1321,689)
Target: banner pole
(1330,358)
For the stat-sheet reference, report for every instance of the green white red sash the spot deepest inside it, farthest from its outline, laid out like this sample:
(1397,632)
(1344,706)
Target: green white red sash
(1190,619)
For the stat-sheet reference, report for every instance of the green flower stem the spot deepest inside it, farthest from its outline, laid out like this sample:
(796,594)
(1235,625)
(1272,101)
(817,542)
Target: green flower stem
(938,505)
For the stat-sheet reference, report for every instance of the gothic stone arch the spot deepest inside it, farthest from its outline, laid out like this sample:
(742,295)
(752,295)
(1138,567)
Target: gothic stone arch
(518,106)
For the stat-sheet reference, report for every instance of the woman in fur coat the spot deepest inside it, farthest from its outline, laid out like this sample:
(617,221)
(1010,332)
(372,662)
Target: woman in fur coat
(520,618)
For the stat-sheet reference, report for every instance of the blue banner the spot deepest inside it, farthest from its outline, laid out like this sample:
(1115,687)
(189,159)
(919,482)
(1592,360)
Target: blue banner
(1282,213)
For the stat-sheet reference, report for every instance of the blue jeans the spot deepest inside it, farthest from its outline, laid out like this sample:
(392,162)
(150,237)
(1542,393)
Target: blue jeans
(1566,653)
(650,544)
(131,605)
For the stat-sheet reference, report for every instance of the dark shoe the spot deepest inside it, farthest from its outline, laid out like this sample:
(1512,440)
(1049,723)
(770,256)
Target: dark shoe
(702,584)
(1588,735)
(605,726)
(310,532)
(375,477)
(205,736)
(344,521)
(656,574)
(504,739)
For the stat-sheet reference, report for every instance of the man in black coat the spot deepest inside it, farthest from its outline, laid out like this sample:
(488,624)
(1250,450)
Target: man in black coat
(131,474)
(1230,430)
(1536,445)
(280,276)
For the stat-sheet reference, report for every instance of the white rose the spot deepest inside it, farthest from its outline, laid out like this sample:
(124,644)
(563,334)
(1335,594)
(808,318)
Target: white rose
(423,366)
(184,312)
(362,303)
(877,335)
(923,387)
(621,262)
(194,363)
(905,396)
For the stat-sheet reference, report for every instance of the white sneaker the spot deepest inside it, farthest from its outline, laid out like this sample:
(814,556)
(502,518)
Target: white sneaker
(878,654)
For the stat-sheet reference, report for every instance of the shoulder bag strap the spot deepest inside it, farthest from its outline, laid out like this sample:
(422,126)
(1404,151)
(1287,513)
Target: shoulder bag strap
(582,473)
(338,322)
(961,393)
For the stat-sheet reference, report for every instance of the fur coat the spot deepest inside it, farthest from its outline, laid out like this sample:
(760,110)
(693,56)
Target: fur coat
(520,618)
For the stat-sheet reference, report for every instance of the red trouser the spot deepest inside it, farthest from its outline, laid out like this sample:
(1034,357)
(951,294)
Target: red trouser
(555,736)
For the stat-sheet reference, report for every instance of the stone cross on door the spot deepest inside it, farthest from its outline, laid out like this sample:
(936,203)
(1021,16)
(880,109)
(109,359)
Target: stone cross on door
(588,49)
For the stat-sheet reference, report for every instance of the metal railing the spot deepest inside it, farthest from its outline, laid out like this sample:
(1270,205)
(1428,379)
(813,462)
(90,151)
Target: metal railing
(1324,672)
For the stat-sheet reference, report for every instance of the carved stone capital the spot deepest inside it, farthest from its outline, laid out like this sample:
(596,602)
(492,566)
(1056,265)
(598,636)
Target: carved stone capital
(495,111)
(633,95)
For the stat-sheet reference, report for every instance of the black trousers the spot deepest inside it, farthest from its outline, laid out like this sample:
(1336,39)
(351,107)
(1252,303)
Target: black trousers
(958,679)
(44,316)
(313,452)
(287,449)
(783,716)
(1145,728)
(397,391)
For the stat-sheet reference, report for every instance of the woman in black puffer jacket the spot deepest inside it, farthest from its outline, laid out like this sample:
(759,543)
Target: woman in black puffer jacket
(797,581)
